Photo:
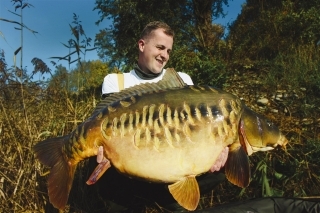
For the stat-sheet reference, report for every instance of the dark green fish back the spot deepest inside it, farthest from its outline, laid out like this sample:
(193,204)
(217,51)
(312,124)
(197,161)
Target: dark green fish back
(171,79)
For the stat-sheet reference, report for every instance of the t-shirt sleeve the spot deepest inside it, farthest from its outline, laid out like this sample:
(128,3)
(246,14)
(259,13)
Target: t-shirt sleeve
(186,78)
(110,84)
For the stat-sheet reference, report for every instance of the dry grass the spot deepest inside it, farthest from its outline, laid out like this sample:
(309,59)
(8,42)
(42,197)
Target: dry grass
(24,121)
(28,114)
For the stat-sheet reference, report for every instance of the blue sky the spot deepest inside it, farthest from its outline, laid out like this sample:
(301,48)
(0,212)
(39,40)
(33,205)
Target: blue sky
(51,19)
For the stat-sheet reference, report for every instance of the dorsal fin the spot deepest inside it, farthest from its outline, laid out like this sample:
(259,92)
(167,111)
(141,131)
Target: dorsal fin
(171,79)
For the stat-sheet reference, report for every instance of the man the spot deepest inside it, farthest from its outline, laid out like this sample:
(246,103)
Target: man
(155,46)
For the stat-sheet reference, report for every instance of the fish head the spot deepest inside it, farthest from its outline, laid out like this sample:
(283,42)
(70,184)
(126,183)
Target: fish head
(258,133)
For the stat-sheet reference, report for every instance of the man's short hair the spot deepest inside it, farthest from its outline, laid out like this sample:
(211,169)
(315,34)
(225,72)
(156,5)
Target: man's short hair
(149,28)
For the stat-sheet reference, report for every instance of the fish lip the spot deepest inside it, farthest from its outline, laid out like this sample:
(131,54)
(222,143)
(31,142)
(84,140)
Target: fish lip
(263,149)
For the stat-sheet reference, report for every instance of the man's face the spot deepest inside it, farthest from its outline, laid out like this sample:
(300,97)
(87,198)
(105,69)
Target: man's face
(154,51)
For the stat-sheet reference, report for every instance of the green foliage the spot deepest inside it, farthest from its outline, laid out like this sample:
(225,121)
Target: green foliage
(298,67)
(301,165)
(59,80)
(88,75)
(202,68)
(82,84)
(265,29)
(95,72)
(296,70)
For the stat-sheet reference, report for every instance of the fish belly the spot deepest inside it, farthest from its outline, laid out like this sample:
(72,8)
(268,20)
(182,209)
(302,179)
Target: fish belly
(167,162)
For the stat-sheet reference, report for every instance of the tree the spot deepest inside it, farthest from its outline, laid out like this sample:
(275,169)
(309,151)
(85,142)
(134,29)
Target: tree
(266,28)
(91,76)
(207,33)
(59,80)
(194,29)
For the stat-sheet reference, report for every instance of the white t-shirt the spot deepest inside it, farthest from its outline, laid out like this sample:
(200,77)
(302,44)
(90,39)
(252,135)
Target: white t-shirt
(110,82)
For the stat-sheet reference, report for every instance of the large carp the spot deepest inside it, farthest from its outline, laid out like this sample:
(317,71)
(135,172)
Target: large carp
(162,132)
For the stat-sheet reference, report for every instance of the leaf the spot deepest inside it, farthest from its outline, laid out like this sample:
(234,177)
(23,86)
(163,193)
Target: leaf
(17,7)
(17,51)
(279,176)
(91,49)
(77,47)
(65,57)
(27,5)
(266,187)
(74,32)
(65,45)
(22,25)
(75,60)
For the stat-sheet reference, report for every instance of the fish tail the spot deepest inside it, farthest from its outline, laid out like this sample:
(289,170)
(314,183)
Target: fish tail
(50,153)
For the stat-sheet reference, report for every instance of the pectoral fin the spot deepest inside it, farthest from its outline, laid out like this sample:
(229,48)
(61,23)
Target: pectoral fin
(237,167)
(98,171)
(186,192)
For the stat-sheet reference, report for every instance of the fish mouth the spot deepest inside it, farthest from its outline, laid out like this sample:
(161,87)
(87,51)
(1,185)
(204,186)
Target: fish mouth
(283,141)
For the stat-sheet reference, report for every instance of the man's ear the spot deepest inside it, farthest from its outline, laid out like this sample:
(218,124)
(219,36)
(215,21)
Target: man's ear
(141,44)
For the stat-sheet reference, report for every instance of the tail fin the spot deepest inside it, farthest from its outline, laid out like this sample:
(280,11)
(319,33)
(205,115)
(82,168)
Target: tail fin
(50,153)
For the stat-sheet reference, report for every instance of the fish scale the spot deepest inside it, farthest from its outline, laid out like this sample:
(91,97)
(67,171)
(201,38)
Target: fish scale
(162,132)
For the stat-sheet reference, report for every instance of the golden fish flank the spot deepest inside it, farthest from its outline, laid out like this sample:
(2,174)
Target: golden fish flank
(159,133)
(162,123)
